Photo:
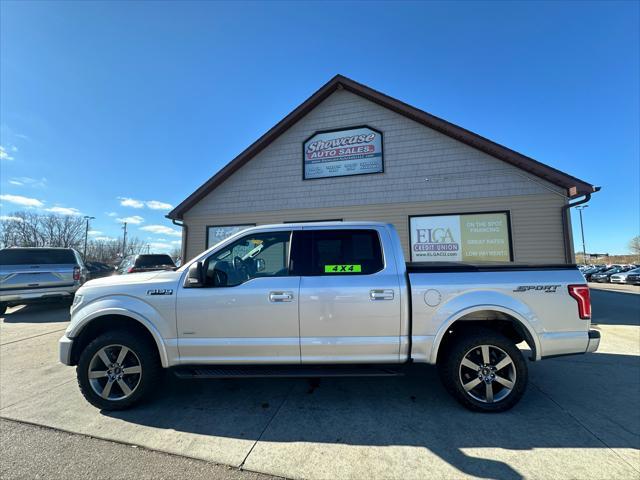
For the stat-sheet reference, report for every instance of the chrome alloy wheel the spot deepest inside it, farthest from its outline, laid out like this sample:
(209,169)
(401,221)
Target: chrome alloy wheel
(115,372)
(487,373)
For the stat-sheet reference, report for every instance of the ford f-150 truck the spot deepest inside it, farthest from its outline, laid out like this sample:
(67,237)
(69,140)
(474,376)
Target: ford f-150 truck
(324,299)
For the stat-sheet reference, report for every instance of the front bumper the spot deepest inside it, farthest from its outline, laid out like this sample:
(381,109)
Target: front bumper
(594,341)
(65,345)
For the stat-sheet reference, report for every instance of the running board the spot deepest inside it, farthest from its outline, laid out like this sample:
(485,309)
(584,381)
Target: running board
(287,371)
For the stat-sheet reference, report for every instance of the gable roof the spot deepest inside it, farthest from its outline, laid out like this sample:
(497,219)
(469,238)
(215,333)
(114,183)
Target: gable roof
(574,186)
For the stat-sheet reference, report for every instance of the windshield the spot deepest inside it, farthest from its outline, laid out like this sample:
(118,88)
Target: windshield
(37,256)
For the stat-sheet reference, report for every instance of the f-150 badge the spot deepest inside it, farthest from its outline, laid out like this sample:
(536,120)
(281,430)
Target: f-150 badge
(537,288)
(160,291)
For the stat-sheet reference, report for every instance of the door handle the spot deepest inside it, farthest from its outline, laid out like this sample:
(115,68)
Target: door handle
(381,294)
(277,297)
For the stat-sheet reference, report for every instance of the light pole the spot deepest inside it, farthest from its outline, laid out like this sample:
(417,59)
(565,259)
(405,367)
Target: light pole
(584,250)
(86,235)
(124,241)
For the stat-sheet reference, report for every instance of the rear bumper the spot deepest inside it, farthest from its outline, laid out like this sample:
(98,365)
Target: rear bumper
(65,345)
(23,297)
(569,343)
(594,341)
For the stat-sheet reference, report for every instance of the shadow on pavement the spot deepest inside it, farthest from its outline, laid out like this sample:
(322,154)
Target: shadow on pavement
(38,313)
(615,308)
(409,411)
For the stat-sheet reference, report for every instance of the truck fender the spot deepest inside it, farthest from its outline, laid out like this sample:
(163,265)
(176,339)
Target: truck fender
(107,306)
(477,301)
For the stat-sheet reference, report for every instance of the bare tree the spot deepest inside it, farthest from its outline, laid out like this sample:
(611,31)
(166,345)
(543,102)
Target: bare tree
(634,245)
(28,229)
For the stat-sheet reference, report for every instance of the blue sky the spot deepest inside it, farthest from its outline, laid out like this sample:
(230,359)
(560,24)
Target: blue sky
(118,109)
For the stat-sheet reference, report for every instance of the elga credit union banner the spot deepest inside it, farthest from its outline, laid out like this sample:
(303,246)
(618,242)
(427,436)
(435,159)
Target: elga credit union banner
(482,237)
(337,153)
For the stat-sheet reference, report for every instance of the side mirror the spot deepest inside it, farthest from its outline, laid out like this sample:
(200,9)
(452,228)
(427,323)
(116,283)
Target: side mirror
(260,264)
(195,276)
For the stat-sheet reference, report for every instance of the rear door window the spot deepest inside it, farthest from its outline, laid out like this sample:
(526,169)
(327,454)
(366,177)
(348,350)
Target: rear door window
(345,252)
(37,256)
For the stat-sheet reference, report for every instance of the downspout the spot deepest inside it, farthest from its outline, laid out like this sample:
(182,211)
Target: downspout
(566,227)
(183,247)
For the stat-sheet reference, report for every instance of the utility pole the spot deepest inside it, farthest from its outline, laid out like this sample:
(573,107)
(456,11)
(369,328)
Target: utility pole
(584,249)
(86,235)
(124,242)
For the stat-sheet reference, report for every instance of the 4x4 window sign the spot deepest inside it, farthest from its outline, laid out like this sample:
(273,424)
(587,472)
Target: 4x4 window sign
(342,268)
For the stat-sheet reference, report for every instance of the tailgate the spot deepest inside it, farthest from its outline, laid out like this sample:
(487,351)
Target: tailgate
(21,277)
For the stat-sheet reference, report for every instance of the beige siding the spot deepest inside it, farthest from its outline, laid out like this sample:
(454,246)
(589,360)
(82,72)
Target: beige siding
(425,172)
(536,221)
(413,153)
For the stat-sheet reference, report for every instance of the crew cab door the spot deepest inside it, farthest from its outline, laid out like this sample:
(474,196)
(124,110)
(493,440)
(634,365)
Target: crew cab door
(349,297)
(247,310)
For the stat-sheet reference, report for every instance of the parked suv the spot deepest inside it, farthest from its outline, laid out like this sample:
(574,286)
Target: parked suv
(31,275)
(146,263)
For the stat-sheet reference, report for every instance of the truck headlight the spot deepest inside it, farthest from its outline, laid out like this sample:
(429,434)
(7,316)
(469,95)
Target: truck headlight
(76,301)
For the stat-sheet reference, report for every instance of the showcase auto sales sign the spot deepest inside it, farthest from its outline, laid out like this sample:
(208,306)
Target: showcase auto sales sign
(337,153)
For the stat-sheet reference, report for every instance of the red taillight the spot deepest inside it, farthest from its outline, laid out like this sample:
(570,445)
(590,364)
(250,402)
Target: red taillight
(581,294)
(131,270)
(76,273)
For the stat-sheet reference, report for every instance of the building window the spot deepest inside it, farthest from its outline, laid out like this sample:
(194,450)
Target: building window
(218,233)
(468,237)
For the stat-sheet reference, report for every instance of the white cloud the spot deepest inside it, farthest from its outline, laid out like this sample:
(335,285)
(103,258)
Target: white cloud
(4,155)
(111,214)
(161,230)
(159,246)
(156,205)
(130,202)
(64,210)
(20,200)
(9,218)
(28,181)
(134,220)
(152,204)
(176,242)
(104,239)
(95,232)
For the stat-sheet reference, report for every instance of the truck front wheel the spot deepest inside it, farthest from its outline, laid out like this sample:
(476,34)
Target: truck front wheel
(117,370)
(484,371)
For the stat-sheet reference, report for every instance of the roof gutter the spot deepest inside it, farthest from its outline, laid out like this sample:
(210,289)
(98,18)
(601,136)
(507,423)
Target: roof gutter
(183,247)
(566,225)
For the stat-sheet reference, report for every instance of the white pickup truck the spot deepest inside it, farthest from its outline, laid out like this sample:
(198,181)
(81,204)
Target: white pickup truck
(324,299)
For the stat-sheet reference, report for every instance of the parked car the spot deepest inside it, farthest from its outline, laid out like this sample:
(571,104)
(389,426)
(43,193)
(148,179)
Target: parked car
(324,299)
(605,276)
(146,263)
(633,278)
(622,276)
(99,269)
(592,271)
(31,275)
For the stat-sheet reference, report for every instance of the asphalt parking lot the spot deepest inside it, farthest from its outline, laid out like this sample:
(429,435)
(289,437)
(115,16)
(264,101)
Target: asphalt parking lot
(579,419)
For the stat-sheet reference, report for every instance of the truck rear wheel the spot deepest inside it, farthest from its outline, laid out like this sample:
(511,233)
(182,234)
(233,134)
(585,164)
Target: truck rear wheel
(118,370)
(484,371)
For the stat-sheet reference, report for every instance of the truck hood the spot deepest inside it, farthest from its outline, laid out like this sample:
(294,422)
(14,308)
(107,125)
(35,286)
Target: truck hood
(132,278)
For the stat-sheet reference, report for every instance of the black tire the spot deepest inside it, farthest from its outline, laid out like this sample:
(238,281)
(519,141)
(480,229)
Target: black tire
(3,308)
(141,384)
(455,376)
